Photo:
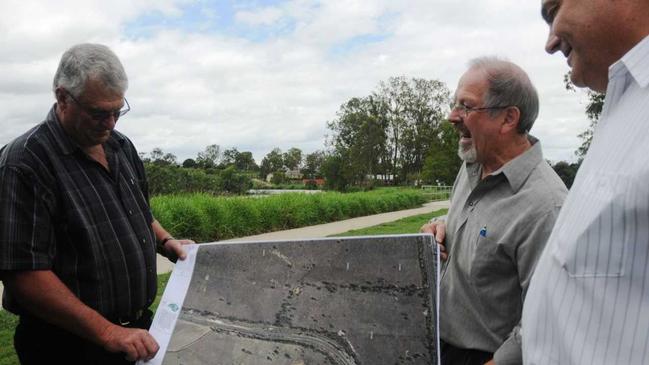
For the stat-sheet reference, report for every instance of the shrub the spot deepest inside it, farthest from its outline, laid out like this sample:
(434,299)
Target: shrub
(207,218)
(164,180)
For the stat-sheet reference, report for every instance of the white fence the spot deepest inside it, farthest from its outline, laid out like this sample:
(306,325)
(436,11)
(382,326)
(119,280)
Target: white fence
(438,192)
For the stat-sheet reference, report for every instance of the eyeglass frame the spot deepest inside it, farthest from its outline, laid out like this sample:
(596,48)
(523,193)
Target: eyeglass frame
(464,110)
(101,115)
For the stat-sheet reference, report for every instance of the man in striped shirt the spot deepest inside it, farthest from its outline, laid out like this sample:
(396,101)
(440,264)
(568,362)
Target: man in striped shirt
(77,238)
(588,301)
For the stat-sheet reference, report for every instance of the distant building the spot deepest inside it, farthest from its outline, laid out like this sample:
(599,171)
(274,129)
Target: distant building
(293,174)
(318,182)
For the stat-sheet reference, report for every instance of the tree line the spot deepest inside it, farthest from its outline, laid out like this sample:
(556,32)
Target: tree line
(396,135)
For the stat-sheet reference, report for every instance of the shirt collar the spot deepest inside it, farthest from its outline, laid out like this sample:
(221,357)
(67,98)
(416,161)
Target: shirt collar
(635,63)
(65,144)
(517,170)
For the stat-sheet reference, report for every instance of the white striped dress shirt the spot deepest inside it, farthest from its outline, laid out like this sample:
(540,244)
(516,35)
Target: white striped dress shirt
(588,302)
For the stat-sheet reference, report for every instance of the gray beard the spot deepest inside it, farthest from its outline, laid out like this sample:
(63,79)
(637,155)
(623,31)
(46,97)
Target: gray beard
(468,156)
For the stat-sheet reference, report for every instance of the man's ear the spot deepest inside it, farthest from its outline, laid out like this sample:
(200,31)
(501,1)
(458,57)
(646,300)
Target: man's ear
(61,98)
(511,121)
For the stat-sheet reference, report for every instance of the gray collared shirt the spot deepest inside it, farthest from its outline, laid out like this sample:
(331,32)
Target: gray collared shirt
(496,230)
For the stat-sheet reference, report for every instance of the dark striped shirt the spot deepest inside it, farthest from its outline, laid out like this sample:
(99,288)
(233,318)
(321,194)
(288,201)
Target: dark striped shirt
(62,211)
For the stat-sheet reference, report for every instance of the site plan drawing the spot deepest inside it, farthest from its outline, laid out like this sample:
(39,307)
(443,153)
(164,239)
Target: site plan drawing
(348,301)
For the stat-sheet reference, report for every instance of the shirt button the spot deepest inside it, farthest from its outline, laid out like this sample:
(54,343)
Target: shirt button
(143,240)
(470,204)
(130,212)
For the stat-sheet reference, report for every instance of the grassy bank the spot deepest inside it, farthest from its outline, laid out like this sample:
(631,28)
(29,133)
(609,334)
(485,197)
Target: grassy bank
(206,218)
(405,225)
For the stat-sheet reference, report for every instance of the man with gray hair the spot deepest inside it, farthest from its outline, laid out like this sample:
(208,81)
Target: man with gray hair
(504,202)
(77,238)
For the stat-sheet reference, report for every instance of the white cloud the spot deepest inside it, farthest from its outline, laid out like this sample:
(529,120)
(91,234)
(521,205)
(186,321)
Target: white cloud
(189,90)
(264,16)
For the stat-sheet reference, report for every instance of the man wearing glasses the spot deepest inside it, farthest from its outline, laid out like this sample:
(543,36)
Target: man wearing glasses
(505,200)
(77,238)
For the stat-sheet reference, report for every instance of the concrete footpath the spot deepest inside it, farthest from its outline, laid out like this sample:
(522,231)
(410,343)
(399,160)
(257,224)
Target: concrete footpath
(327,229)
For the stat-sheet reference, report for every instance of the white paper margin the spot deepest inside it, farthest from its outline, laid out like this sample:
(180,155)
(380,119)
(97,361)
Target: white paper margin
(171,304)
(437,268)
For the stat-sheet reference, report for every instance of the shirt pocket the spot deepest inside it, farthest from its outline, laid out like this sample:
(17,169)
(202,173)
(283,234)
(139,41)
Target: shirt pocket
(589,239)
(496,284)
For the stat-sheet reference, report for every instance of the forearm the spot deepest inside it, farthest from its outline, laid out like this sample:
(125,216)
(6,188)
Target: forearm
(159,231)
(168,246)
(42,294)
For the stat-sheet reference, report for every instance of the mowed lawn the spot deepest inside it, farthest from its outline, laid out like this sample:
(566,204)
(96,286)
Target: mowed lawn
(406,225)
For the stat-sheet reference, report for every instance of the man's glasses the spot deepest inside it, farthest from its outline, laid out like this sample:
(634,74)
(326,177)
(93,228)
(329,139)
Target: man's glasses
(464,110)
(101,115)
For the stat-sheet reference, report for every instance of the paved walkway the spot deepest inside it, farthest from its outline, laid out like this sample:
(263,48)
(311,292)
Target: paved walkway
(327,229)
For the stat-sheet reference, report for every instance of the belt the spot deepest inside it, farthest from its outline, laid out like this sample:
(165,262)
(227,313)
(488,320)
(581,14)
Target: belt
(127,319)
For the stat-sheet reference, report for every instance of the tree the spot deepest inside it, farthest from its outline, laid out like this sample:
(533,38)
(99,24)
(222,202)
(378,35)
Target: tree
(292,158)
(189,163)
(144,157)
(360,143)
(392,131)
(272,162)
(209,158)
(442,162)
(279,177)
(419,106)
(336,176)
(312,164)
(229,157)
(566,171)
(245,162)
(158,157)
(234,182)
(156,154)
(593,111)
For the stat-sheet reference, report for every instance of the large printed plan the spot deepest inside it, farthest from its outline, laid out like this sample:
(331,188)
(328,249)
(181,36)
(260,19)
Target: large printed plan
(356,300)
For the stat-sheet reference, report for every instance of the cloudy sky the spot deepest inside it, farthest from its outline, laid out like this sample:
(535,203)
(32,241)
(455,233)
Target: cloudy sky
(262,74)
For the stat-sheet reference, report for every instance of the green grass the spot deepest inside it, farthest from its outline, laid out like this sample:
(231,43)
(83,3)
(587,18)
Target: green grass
(405,225)
(9,321)
(206,218)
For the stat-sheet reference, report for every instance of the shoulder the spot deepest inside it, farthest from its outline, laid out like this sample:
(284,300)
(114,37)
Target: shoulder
(129,152)
(28,149)
(544,183)
(126,145)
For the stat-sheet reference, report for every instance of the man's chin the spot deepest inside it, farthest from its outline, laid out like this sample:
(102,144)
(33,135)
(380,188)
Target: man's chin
(467,155)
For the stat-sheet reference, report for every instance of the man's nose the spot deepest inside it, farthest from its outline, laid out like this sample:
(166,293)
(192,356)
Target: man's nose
(454,117)
(553,43)
(110,121)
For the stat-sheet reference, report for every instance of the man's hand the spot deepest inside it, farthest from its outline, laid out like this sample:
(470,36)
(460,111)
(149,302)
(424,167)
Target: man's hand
(174,249)
(437,229)
(490,362)
(137,344)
